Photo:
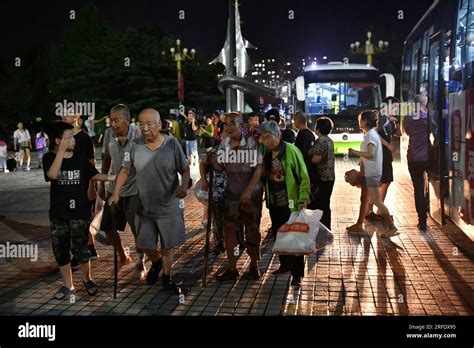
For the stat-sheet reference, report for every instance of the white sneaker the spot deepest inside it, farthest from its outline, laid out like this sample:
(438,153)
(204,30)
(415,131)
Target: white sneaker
(28,168)
(6,171)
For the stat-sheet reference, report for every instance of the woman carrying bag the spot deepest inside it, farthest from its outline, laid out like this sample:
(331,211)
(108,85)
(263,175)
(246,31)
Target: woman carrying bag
(371,170)
(286,189)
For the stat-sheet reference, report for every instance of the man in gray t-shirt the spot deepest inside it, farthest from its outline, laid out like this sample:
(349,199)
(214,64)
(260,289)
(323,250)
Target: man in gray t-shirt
(157,161)
(116,140)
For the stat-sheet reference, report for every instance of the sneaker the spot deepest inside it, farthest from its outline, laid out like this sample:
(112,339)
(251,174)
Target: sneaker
(170,285)
(296,282)
(228,275)
(281,270)
(6,171)
(75,263)
(94,255)
(28,168)
(154,272)
(252,274)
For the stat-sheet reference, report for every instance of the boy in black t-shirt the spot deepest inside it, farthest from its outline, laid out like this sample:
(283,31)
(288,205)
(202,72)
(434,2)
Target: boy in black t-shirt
(69,206)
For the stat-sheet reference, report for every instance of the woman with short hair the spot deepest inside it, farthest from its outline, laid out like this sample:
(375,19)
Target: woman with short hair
(371,169)
(286,190)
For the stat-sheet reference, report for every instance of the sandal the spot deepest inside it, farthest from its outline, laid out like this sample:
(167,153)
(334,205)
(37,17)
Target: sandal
(91,287)
(63,293)
(356,229)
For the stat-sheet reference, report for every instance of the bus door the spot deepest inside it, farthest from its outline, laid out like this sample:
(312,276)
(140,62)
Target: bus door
(437,126)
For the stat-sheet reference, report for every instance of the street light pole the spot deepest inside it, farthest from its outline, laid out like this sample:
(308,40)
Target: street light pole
(180,56)
(369,49)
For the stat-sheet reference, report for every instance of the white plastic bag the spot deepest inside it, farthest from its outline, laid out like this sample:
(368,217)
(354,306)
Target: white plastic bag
(201,195)
(324,237)
(299,235)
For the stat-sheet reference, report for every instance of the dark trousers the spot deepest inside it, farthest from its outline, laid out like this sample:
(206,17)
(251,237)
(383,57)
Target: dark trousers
(279,216)
(323,201)
(418,172)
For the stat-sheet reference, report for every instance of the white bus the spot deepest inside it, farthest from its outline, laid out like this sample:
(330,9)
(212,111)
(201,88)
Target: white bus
(341,91)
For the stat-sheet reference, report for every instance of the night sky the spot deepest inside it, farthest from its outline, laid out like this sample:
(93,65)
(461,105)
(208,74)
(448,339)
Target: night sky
(319,28)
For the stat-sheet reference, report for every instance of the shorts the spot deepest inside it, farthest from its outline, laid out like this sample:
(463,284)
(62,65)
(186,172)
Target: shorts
(117,217)
(70,236)
(170,230)
(371,181)
(41,152)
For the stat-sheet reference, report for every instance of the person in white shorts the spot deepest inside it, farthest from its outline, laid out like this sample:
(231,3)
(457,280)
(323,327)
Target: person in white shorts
(22,140)
(371,169)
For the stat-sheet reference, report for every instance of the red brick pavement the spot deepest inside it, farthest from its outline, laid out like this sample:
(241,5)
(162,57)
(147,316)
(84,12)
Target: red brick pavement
(416,273)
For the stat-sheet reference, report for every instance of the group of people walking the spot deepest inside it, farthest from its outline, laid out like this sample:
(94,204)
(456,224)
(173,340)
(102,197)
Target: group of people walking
(145,175)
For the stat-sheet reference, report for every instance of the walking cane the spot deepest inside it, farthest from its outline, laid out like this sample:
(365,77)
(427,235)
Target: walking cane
(209,226)
(112,208)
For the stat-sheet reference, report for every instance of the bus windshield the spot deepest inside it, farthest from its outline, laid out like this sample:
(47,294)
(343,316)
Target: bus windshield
(335,97)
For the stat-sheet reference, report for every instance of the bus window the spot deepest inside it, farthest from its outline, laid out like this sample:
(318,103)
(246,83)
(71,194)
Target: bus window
(461,32)
(333,97)
(407,91)
(414,69)
(424,63)
(470,34)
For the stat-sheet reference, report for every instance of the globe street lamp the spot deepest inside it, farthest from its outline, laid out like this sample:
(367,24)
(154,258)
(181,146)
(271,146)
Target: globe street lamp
(180,55)
(368,48)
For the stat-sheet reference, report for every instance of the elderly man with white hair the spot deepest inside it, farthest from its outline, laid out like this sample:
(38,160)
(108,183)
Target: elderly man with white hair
(157,159)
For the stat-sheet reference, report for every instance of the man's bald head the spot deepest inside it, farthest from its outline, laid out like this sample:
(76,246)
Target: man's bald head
(150,114)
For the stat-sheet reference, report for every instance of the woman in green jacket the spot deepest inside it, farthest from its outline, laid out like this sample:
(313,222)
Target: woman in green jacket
(287,190)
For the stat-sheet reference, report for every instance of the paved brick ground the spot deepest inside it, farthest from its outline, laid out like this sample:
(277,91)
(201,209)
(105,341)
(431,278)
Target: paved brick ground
(417,273)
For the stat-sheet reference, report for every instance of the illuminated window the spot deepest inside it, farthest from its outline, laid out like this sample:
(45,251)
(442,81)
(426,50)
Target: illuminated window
(461,47)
